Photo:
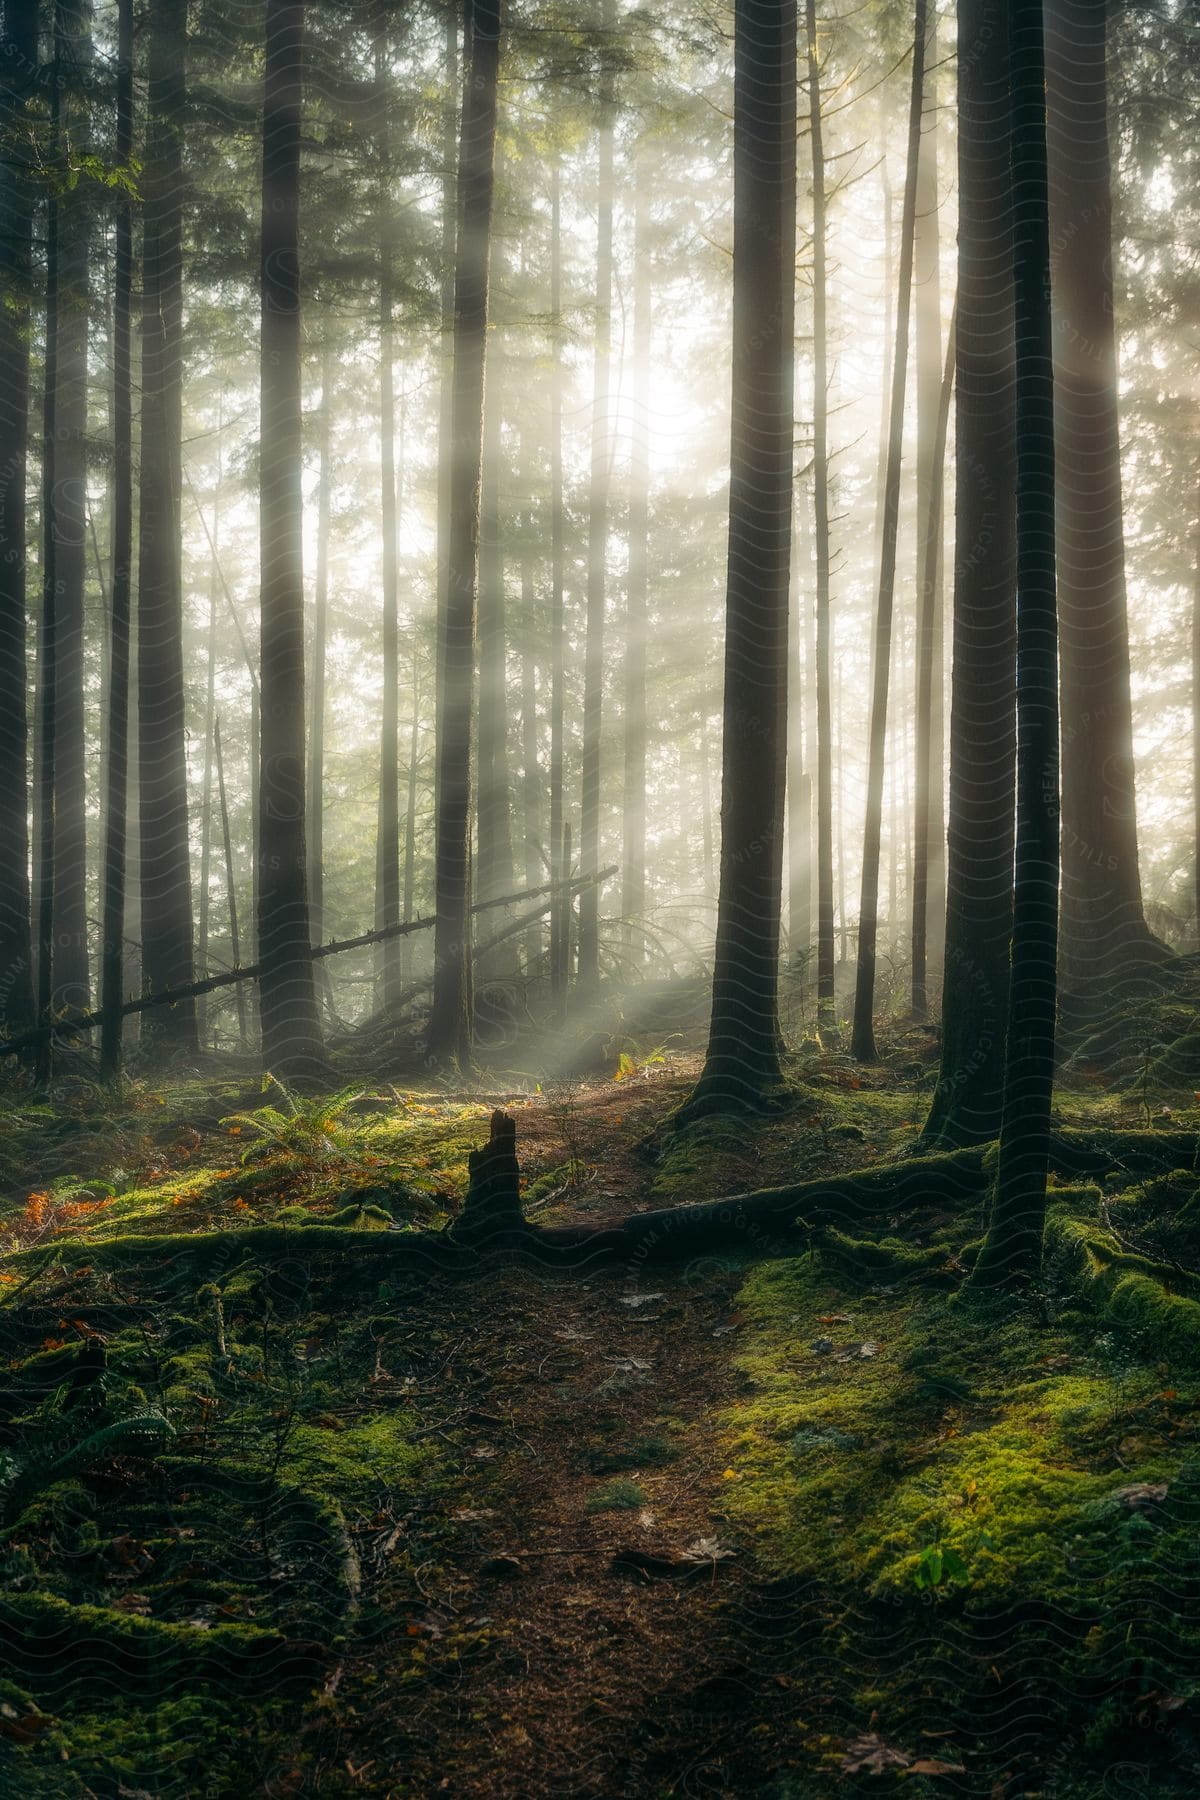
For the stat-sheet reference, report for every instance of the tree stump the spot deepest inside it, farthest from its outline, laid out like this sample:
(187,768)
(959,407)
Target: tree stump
(493,1205)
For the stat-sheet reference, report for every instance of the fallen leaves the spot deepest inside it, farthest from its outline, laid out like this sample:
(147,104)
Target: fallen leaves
(870,1755)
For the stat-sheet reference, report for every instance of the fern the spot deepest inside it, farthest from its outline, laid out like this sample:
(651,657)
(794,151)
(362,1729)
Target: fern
(309,1132)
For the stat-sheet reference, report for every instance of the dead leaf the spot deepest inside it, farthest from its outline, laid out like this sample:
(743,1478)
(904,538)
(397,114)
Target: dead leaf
(869,1755)
(929,1765)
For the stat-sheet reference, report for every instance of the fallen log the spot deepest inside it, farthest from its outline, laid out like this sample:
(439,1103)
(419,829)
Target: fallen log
(209,984)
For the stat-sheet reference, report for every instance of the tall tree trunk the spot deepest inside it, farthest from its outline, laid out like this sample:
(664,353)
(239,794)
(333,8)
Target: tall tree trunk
(47,661)
(979,868)
(456,12)
(113,870)
(495,861)
(633,893)
(71,977)
(928,888)
(387,841)
(531,776)
(204,909)
(167,945)
(1013,1247)
(799,777)
(558,870)
(18,68)
(927,817)
(1196,729)
(863,1032)
(235,947)
(291,1035)
(1105,939)
(410,813)
(450,1022)
(742,1068)
(823,644)
(598,497)
(315,804)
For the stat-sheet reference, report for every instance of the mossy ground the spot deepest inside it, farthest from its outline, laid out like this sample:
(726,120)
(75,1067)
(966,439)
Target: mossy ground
(276,1520)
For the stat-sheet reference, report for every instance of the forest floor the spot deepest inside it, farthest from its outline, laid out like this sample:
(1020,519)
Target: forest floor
(303,1515)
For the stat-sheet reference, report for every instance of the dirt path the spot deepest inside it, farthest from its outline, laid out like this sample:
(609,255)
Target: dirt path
(530,1646)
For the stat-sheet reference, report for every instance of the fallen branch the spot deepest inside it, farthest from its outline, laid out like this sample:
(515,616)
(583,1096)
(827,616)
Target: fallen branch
(209,984)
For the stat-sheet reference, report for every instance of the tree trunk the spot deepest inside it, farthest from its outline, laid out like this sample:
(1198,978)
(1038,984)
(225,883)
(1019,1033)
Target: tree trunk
(387,843)
(235,945)
(450,1023)
(494,826)
(1196,728)
(113,870)
(167,946)
(863,1033)
(74,220)
(799,777)
(558,869)
(531,777)
(742,1069)
(928,886)
(598,497)
(315,804)
(1105,940)
(204,909)
(633,885)
(823,645)
(291,1036)
(456,10)
(1013,1247)
(18,67)
(967,1101)
(410,814)
(927,820)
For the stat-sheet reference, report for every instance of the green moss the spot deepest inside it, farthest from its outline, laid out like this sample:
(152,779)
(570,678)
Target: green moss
(701,1160)
(616,1496)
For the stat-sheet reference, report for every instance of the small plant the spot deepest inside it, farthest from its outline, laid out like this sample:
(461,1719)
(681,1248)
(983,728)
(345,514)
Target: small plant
(617,1496)
(311,1133)
(633,1061)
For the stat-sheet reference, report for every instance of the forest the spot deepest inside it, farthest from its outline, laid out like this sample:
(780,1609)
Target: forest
(599,899)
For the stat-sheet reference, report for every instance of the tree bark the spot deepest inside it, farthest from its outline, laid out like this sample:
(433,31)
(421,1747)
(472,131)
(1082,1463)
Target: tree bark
(743,1069)
(315,800)
(167,943)
(494,825)
(1012,1249)
(558,864)
(456,10)
(18,70)
(823,645)
(967,1100)
(387,849)
(929,857)
(113,870)
(291,1036)
(73,213)
(235,945)
(450,1023)
(863,1034)
(1105,939)
(598,507)
(633,885)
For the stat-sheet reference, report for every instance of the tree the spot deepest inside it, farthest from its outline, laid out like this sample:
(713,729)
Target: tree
(742,1070)
(1105,939)
(450,1023)
(167,943)
(823,645)
(633,886)
(979,844)
(598,506)
(1012,1250)
(117,772)
(387,850)
(933,399)
(863,1035)
(18,66)
(73,230)
(495,859)
(291,1038)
